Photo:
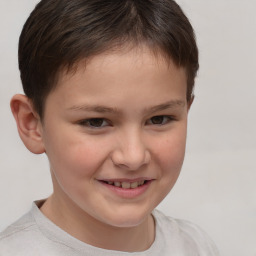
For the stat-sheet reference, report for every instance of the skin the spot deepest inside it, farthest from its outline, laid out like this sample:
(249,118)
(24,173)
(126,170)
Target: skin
(139,101)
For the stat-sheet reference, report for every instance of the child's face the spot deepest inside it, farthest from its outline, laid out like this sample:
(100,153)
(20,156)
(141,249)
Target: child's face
(121,119)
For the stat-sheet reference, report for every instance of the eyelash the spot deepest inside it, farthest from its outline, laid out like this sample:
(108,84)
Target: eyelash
(165,119)
(104,122)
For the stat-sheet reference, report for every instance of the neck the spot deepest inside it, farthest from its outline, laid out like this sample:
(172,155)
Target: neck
(92,231)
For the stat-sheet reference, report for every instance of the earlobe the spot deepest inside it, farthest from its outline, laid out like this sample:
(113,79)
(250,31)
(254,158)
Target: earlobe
(28,123)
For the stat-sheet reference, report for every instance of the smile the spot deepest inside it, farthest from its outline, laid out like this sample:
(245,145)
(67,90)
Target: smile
(127,189)
(125,184)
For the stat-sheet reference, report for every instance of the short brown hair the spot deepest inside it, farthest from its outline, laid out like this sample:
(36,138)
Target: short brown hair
(59,33)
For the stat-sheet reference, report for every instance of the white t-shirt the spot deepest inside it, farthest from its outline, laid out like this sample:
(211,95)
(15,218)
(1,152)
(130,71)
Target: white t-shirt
(35,235)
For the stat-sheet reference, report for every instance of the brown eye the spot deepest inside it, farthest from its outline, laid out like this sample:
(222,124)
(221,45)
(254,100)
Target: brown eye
(157,119)
(96,122)
(160,120)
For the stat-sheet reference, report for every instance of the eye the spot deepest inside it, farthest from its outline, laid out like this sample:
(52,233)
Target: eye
(94,123)
(160,120)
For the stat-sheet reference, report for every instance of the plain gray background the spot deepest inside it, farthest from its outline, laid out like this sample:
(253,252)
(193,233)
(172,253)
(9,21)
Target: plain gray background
(216,188)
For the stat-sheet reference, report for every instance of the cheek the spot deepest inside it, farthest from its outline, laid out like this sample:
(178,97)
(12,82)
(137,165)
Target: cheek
(75,159)
(170,153)
(168,159)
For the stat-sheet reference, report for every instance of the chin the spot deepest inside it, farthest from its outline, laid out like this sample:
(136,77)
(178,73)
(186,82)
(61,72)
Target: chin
(127,219)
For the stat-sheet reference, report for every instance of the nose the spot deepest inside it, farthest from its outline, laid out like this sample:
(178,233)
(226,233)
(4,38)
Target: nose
(131,152)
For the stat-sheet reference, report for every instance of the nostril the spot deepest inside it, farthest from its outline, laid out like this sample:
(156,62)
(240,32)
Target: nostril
(131,156)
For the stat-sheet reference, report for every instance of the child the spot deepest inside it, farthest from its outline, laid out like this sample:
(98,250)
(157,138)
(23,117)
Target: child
(108,86)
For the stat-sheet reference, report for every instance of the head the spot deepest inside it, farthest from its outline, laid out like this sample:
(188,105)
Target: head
(60,33)
(108,86)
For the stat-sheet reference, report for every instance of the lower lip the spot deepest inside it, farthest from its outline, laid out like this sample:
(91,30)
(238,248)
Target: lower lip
(128,193)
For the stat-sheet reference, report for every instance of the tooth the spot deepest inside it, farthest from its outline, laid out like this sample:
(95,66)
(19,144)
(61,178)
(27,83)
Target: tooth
(142,182)
(135,184)
(117,183)
(110,182)
(126,185)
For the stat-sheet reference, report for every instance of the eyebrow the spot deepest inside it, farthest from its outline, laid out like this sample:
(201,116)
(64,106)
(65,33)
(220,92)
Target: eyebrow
(95,108)
(104,109)
(168,105)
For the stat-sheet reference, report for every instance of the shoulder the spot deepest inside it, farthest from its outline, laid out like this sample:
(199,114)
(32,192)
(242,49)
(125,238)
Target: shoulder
(19,237)
(17,228)
(185,235)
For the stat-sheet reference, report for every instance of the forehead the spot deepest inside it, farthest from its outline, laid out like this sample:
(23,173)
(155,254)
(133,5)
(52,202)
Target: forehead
(132,76)
(128,58)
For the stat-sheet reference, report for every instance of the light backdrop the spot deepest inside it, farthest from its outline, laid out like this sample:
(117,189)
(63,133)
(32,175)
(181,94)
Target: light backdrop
(216,188)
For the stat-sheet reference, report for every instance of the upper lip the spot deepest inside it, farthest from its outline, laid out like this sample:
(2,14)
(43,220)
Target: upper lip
(126,180)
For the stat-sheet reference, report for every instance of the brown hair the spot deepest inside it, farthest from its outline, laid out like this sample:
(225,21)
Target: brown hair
(59,33)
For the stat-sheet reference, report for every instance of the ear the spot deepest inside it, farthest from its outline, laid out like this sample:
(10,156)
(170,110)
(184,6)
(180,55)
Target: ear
(190,102)
(28,123)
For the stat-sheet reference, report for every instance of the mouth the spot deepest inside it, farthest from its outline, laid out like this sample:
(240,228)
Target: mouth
(127,188)
(126,184)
